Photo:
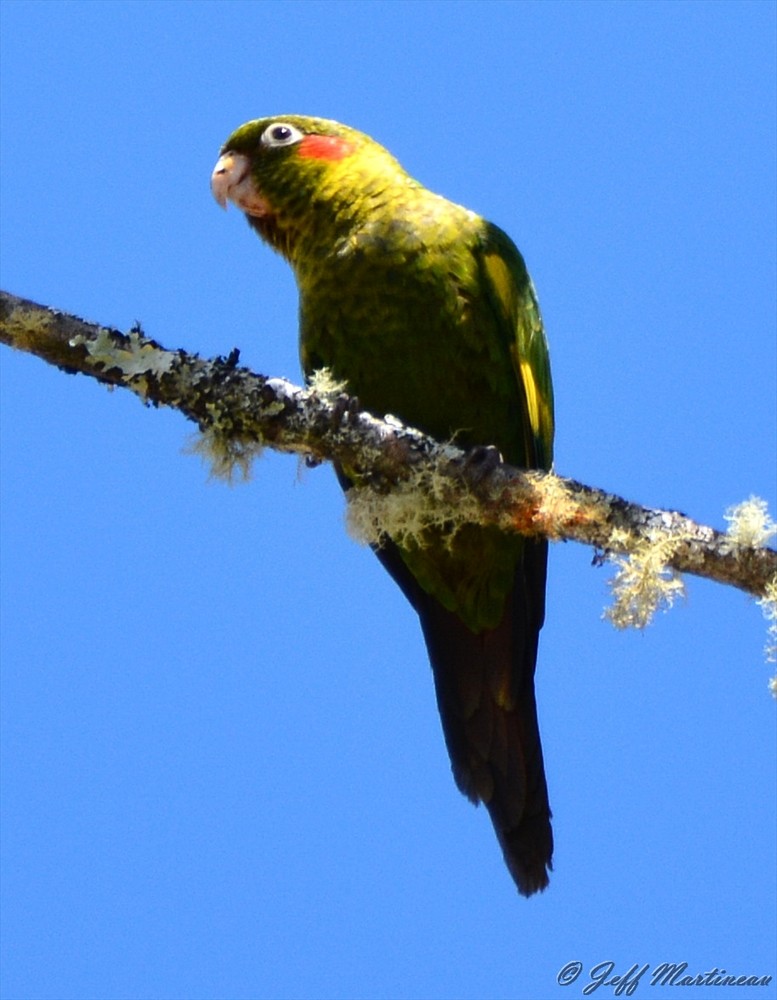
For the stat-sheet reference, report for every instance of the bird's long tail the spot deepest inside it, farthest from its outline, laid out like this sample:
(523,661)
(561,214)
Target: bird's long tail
(485,693)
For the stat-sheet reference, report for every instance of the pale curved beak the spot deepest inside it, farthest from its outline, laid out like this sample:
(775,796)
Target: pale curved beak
(231,181)
(228,172)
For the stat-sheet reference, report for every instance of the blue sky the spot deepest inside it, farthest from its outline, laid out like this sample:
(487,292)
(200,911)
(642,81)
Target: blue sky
(223,772)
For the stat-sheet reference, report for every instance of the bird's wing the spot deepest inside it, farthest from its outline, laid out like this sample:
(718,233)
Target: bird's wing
(515,301)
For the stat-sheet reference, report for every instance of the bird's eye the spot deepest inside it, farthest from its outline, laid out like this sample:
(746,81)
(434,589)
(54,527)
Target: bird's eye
(280,134)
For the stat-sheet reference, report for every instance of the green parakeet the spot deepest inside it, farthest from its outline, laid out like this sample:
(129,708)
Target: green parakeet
(427,312)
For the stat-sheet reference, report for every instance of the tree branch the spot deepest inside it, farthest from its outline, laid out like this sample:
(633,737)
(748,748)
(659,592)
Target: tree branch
(405,481)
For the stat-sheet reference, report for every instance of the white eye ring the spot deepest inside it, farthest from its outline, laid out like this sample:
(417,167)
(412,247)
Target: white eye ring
(280,134)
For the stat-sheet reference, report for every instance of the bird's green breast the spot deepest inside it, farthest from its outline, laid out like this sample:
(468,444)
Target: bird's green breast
(397,309)
(399,312)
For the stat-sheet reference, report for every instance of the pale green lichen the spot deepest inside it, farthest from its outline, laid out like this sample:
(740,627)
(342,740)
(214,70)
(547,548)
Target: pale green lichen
(768,606)
(406,512)
(141,357)
(27,325)
(324,384)
(229,458)
(749,522)
(643,583)
(557,506)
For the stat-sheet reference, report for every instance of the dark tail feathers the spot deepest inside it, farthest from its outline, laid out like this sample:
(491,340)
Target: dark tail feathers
(485,694)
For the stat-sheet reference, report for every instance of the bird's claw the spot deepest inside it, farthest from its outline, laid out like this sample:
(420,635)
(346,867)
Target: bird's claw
(479,462)
(345,409)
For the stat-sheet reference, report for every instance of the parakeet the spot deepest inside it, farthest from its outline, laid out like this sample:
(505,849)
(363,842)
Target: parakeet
(426,311)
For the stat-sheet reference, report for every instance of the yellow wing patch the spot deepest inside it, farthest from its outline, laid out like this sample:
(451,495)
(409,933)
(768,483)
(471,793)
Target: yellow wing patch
(533,397)
(502,280)
(503,283)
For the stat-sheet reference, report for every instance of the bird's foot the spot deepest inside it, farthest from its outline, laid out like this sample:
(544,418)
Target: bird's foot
(478,463)
(345,409)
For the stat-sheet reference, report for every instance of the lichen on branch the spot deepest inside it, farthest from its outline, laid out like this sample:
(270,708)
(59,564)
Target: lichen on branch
(405,481)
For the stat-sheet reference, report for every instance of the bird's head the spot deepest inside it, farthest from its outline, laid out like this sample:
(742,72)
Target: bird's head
(294,176)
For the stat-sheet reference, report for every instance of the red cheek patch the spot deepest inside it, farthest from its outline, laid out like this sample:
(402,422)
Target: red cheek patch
(324,147)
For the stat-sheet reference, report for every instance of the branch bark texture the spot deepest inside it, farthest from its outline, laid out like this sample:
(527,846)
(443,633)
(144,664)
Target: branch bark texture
(239,412)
